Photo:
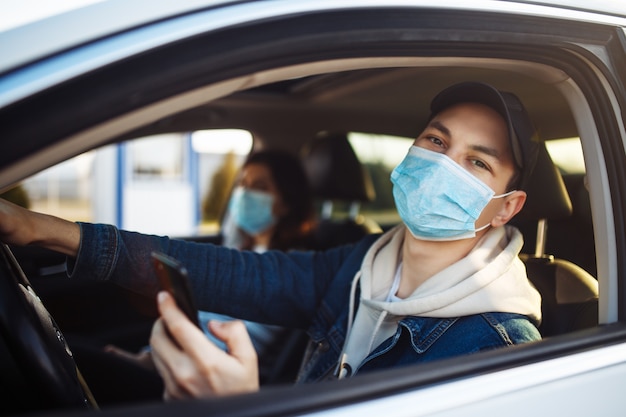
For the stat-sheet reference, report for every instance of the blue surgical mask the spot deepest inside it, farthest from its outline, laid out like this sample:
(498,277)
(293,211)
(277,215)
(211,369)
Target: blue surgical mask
(252,210)
(437,198)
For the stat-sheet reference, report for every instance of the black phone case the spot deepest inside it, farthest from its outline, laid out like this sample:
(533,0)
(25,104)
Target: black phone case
(173,279)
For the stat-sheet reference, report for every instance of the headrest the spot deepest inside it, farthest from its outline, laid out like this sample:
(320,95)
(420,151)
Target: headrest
(335,172)
(547,195)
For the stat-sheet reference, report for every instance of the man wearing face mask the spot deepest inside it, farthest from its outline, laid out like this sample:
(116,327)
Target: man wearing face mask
(446,282)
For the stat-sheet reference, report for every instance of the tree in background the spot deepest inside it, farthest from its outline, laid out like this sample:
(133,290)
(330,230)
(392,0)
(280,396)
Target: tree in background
(219,188)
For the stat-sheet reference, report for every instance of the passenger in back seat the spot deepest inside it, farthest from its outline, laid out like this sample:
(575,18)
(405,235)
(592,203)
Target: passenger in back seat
(271,208)
(447,282)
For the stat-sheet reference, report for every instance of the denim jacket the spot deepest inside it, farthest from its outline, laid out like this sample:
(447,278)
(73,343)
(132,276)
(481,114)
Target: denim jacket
(306,290)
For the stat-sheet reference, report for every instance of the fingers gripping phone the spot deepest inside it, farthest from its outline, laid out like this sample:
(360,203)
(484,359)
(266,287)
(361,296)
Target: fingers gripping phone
(173,279)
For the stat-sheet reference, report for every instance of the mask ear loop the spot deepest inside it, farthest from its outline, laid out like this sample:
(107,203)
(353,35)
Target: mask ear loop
(504,195)
(495,196)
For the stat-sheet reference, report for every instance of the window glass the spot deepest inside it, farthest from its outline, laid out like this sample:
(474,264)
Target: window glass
(379,155)
(159,157)
(64,190)
(193,173)
(567,154)
(176,184)
(221,154)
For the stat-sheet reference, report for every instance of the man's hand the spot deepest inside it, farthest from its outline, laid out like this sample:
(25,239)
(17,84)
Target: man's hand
(193,367)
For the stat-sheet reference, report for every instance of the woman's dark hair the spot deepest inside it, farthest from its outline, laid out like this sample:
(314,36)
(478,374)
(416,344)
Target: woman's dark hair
(292,230)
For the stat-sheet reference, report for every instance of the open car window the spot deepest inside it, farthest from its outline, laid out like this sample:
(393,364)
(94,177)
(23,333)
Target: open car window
(171,184)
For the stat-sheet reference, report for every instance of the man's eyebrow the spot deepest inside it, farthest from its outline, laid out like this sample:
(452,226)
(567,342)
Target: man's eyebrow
(486,150)
(436,124)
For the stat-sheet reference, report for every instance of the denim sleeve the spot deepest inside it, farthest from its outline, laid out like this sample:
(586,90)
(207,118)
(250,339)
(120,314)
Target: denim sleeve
(275,287)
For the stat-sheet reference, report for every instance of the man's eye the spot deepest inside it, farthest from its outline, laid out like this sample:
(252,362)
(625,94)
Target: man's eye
(480,164)
(435,140)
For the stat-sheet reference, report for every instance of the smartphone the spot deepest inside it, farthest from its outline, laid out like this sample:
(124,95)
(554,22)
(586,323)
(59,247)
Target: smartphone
(173,279)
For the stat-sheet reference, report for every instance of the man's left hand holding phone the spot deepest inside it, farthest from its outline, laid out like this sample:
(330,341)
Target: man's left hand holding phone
(190,364)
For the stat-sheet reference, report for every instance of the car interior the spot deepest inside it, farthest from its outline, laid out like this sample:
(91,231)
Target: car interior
(310,111)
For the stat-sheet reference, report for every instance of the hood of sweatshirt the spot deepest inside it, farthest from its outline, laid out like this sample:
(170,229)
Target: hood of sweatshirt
(491,278)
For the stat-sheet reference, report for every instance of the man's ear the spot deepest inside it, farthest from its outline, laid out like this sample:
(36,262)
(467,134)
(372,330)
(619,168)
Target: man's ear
(512,205)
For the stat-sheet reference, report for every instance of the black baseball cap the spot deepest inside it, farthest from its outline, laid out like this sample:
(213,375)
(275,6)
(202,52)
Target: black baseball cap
(522,134)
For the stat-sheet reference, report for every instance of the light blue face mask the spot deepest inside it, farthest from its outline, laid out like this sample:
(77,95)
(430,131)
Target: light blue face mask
(252,210)
(438,199)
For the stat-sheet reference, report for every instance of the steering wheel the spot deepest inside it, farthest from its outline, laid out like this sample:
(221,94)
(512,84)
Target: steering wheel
(33,345)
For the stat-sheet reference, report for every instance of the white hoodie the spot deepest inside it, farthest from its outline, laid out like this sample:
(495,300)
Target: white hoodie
(491,278)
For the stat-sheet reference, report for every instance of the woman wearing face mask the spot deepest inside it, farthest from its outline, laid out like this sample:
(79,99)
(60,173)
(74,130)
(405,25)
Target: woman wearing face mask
(272,205)
(271,208)
(447,281)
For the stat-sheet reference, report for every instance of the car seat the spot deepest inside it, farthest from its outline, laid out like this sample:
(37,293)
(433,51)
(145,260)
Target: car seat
(569,293)
(572,238)
(336,175)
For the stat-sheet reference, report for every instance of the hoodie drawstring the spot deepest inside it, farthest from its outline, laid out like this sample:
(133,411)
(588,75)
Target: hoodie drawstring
(355,282)
(379,322)
(342,357)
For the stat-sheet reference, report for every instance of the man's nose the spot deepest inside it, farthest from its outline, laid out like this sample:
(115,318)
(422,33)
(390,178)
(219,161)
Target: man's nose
(455,155)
